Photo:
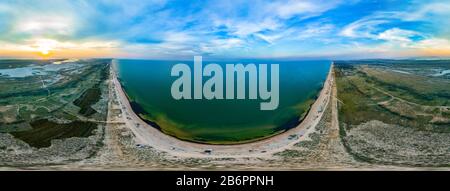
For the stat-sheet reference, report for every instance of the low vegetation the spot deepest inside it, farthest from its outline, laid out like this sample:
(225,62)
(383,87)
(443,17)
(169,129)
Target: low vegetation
(88,98)
(44,131)
(39,120)
(394,115)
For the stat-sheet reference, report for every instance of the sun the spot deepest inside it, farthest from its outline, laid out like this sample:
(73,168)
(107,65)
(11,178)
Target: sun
(45,46)
(45,52)
(44,49)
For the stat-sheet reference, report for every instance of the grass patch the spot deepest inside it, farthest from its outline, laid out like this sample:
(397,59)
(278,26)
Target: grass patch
(361,102)
(289,154)
(44,131)
(87,99)
(92,95)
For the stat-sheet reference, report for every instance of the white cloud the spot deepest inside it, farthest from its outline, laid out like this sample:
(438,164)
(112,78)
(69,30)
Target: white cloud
(433,44)
(40,25)
(396,49)
(268,22)
(396,34)
(304,9)
(428,9)
(366,27)
(178,37)
(363,28)
(292,8)
(264,27)
(50,45)
(270,38)
(245,28)
(315,30)
(221,44)
(312,30)
(227,43)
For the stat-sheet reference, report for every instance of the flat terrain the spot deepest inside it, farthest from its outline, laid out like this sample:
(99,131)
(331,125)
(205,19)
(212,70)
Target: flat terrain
(369,115)
(46,104)
(394,112)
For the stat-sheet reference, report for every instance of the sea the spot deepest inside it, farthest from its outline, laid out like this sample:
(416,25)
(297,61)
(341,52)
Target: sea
(147,84)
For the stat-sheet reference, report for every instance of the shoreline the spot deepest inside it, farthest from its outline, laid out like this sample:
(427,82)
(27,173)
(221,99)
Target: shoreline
(138,110)
(146,134)
(156,126)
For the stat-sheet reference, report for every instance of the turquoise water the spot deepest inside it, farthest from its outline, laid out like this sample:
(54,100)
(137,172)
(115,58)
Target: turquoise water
(148,83)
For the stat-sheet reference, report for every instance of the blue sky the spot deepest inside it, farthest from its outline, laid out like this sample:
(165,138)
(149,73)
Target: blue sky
(303,29)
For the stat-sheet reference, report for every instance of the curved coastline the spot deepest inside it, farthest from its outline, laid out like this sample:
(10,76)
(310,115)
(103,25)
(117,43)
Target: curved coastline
(147,134)
(137,109)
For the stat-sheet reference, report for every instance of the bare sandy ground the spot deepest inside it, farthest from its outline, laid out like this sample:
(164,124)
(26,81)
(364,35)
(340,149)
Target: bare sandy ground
(148,135)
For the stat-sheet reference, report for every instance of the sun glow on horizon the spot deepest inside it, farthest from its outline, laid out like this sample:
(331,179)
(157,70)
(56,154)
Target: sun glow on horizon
(45,46)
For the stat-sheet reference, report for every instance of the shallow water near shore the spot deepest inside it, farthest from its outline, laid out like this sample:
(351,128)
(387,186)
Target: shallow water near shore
(147,84)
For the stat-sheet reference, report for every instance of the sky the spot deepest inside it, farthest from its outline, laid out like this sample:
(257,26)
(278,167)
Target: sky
(224,29)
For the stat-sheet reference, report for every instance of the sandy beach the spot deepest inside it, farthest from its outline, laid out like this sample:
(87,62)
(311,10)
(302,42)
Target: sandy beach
(145,134)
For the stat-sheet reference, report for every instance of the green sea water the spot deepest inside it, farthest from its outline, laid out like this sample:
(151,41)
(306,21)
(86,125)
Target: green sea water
(147,84)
